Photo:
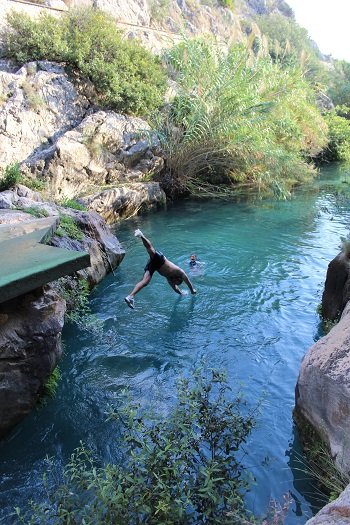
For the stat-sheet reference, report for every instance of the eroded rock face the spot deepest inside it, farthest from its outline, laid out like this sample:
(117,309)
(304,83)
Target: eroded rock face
(30,346)
(38,104)
(104,149)
(323,389)
(30,325)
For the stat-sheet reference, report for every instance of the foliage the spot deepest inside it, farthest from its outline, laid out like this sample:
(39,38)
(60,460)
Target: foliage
(33,99)
(126,76)
(68,226)
(12,176)
(159,9)
(36,211)
(339,83)
(182,469)
(290,45)
(227,3)
(50,388)
(338,147)
(237,119)
(73,204)
(75,291)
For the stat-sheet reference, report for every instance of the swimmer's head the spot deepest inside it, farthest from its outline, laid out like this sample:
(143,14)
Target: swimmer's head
(193,259)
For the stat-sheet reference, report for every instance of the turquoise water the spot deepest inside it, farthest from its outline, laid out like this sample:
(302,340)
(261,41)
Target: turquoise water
(254,316)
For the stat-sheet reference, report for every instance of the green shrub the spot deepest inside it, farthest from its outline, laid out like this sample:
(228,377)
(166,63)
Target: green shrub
(290,45)
(73,204)
(227,3)
(12,176)
(339,83)
(180,469)
(126,76)
(50,388)
(338,147)
(36,211)
(68,226)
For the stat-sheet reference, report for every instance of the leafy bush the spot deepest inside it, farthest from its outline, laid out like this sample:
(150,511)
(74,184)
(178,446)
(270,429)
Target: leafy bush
(237,120)
(339,83)
(68,226)
(227,3)
(126,76)
(73,204)
(12,176)
(182,469)
(338,147)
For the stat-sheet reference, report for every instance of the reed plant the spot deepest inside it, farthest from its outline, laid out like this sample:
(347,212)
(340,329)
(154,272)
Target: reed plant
(236,119)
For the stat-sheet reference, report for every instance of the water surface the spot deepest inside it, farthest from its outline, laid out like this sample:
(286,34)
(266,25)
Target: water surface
(254,316)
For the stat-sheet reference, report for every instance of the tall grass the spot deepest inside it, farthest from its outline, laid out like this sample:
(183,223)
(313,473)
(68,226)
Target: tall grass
(237,119)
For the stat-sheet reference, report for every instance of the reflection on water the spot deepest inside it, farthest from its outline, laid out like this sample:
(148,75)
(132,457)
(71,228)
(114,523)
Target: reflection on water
(254,315)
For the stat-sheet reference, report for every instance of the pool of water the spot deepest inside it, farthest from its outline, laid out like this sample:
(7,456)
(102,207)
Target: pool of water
(254,316)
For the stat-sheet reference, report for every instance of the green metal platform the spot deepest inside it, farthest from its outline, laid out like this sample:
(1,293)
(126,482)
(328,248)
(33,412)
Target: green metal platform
(26,263)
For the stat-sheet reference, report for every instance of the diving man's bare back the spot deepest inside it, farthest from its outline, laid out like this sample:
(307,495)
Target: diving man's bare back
(158,262)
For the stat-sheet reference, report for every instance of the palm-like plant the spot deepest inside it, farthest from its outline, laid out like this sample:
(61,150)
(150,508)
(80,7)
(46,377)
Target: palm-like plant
(235,119)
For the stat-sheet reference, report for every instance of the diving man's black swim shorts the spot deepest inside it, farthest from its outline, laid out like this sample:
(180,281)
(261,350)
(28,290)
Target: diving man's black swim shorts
(155,263)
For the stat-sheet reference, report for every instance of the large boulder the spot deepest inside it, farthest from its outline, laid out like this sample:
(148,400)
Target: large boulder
(337,287)
(323,389)
(30,346)
(121,202)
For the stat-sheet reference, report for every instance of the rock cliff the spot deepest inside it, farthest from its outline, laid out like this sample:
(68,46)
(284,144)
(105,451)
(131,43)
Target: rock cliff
(31,325)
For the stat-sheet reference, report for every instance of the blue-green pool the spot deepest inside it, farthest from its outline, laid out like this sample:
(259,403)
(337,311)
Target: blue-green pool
(254,316)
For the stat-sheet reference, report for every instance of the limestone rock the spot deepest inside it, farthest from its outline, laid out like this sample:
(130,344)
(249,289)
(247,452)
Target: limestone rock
(127,200)
(335,513)
(38,104)
(105,148)
(323,389)
(337,287)
(30,347)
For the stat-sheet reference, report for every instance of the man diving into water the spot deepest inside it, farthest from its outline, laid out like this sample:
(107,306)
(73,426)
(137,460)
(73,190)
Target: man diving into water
(158,263)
